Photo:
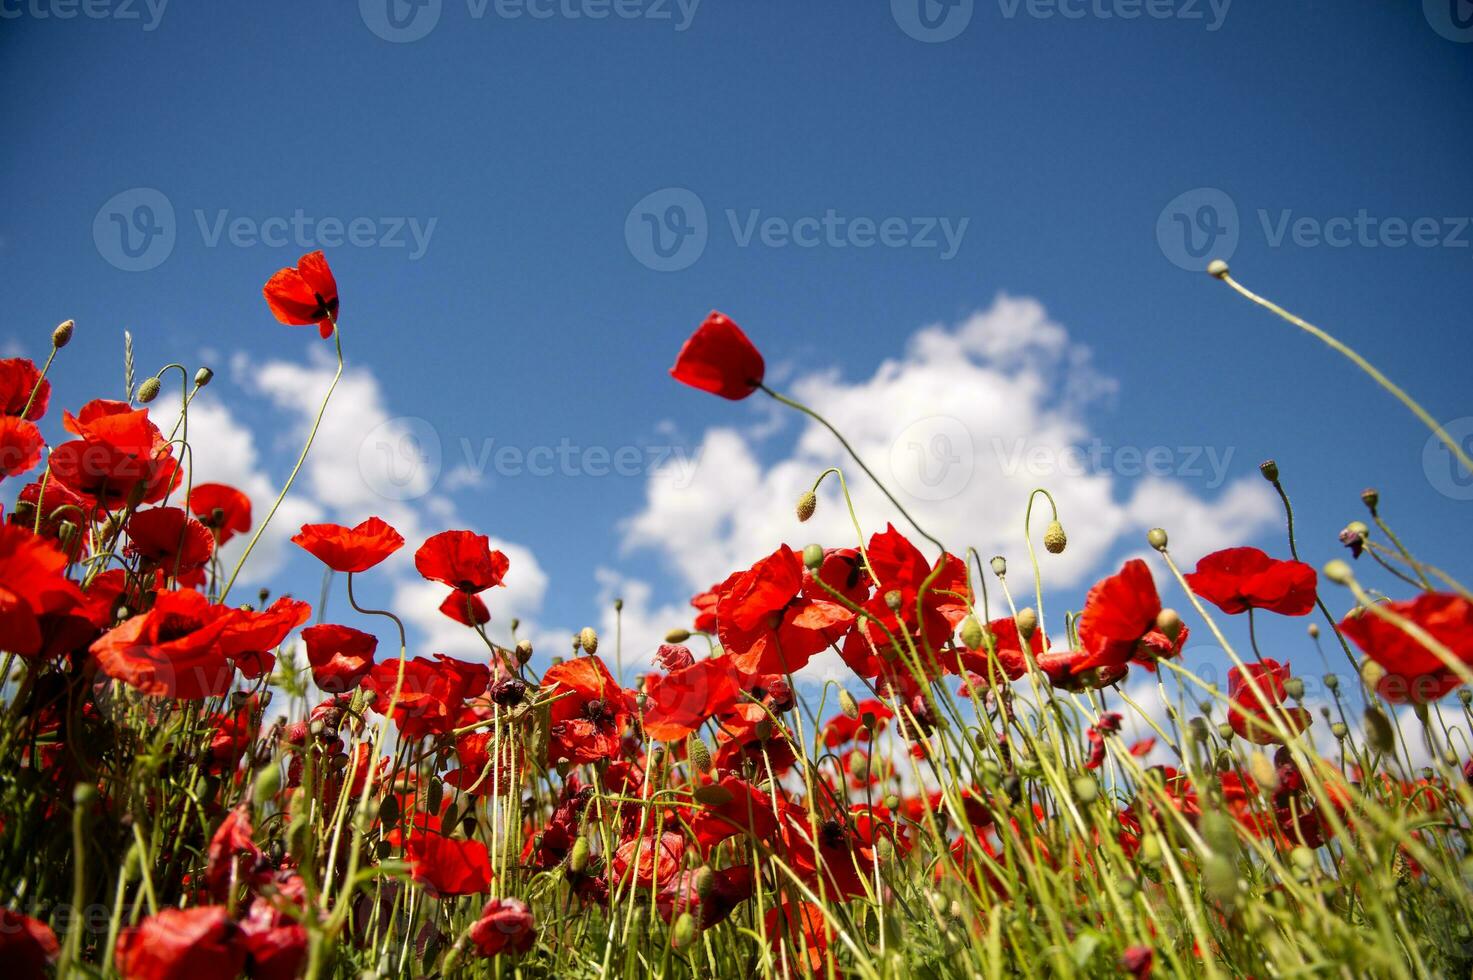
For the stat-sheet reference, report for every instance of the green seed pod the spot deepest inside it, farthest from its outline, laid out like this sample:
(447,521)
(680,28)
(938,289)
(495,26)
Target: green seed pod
(267,784)
(1086,790)
(62,335)
(84,794)
(578,859)
(1340,730)
(999,565)
(1270,470)
(1379,733)
(1054,538)
(847,705)
(203,377)
(684,932)
(1332,682)
(677,636)
(807,504)
(705,882)
(972,633)
(813,557)
(1294,687)
(893,599)
(1151,849)
(1027,622)
(148,390)
(1225,732)
(700,754)
(1338,571)
(588,639)
(1156,538)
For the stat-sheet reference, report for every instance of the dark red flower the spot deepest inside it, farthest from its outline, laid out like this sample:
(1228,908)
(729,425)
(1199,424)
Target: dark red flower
(181,944)
(505,926)
(648,860)
(768,625)
(720,359)
(223,509)
(27,946)
(340,656)
(740,808)
(1137,961)
(170,539)
(18,379)
(466,609)
(588,712)
(276,944)
(462,560)
(231,855)
(172,650)
(678,703)
(729,887)
(346,549)
(1238,579)
(1413,672)
(447,867)
(33,586)
(1256,696)
(305,295)
(20,446)
(1118,623)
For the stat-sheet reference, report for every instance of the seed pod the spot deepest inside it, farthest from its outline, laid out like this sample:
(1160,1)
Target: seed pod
(1217,269)
(1370,498)
(1027,622)
(1086,790)
(1294,687)
(1338,571)
(684,932)
(62,335)
(266,785)
(588,639)
(699,754)
(813,557)
(1054,538)
(1168,621)
(972,633)
(999,566)
(807,504)
(893,599)
(148,390)
(1379,733)
(524,651)
(578,859)
(847,705)
(203,377)
(1156,538)
(677,635)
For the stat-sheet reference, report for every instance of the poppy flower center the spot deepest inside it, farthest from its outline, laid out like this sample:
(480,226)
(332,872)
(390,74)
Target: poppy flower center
(831,834)
(175,626)
(597,711)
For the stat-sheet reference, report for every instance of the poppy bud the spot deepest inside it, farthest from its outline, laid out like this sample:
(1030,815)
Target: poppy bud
(1151,849)
(266,785)
(1086,790)
(705,882)
(700,754)
(388,811)
(999,566)
(618,605)
(1156,538)
(813,557)
(847,705)
(677,636)
(1294,687)
(1338,572)
(84,794)
(859,766)
(712,794)
(1225,732)
(1027,622)
(524,651)
(1264,772)
(1169,623)
(203,377)
(891,802)
(62,335)
(1465,696)
(1370,498)
(684,932)
(1270,470)
(516,624)
(1332,682)
(1379,733)
(434,795)
(578,860)
(1217,269)
(763,729)
(807,504)
(1340,730)
(1314,631)
(148,390)
(893,599)
(971,633)
(1054,538)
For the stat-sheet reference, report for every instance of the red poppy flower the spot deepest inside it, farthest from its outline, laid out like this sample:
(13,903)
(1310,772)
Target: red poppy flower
(121,455)
(170,539)
(1118,623)
(223,509)
(479,773)
(1239,579)
(786,923)
(346,549)
(466,609)
(33,586)
(729,887)
(27,946)
(447,867)
(900,568)
(1414,673)
(678,703)
(740,809)
(20,446)
(837,853)
(588,712)
(181,944)
(340,656)
(304,295)
(249,637)
(768,625)
(720,359)
(649,860)
(844,729)
(173,650)
(1253,696)
(462,560)
(18,379)
(705,605)
(1007,645)
(432,694)
(276,944)
(505,926)
(231,855)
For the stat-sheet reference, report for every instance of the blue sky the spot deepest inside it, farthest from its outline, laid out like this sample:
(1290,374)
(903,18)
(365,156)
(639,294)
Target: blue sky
(1054,147)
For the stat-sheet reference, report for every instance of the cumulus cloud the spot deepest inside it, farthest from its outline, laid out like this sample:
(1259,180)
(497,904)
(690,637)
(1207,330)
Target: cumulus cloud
(961,426)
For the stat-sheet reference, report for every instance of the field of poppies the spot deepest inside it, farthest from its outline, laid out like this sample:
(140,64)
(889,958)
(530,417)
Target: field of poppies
(199,784)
